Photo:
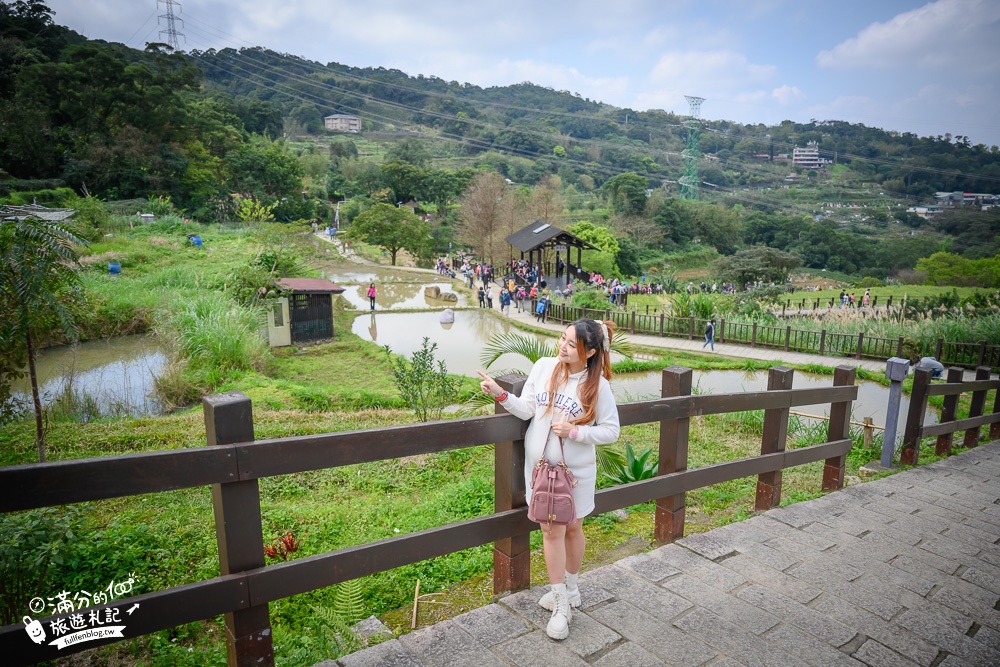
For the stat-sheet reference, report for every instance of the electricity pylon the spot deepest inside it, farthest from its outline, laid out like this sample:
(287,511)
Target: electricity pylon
(172,21)
(689,182)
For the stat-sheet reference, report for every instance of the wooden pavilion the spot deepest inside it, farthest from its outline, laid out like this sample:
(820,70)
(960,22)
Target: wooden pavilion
(539,239)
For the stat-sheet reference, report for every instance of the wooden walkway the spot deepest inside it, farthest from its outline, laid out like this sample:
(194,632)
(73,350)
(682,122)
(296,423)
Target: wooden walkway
(900,571)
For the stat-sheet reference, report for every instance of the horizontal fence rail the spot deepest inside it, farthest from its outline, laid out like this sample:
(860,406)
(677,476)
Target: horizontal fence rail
(857,345)
(233,461)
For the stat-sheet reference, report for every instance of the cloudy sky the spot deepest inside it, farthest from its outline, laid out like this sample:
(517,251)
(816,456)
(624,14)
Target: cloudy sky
(908,65)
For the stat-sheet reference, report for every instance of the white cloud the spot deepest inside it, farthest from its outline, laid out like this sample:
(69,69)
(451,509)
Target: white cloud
(787,94)
(942,34)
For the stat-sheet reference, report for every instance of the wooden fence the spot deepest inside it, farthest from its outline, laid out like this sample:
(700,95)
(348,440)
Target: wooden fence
(951,389)
(233,462)
(823,342)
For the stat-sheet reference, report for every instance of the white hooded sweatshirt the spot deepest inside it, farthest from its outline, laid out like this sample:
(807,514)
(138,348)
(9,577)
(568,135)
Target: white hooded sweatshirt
(581,458)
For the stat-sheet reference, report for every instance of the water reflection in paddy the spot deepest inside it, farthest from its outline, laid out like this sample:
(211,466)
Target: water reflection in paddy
(118,374)
(460,346)
(399,296)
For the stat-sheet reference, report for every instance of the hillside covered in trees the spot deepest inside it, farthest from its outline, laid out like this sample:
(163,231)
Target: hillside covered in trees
(207,128)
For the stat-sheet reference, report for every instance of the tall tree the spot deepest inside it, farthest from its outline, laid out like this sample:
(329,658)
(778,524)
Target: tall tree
(482,216)
(392,229)
(38,281)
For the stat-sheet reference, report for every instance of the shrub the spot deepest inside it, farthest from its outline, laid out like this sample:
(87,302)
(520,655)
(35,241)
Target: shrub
(868,281)
(426,390)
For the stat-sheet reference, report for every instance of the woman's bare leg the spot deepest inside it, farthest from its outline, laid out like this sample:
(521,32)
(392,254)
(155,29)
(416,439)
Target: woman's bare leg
(576,544)
(554,549)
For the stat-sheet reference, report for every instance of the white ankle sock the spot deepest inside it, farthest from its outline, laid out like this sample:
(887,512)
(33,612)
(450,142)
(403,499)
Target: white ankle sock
(572,581)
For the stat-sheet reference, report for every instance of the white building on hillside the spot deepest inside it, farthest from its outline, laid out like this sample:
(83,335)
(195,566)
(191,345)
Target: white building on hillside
(342,122)
(808,157)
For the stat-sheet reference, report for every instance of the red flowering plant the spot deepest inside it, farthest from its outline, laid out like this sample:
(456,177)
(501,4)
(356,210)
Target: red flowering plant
(282,547)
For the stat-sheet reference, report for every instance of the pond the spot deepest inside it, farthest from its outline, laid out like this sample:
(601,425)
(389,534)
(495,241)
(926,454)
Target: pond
(116,376)
(399,295)
(460,345)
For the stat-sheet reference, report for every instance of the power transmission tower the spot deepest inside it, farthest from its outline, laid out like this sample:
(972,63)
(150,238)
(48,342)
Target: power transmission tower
(689,182)
(172,21)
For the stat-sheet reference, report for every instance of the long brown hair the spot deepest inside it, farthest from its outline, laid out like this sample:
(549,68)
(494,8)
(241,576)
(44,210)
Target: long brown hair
(589,336)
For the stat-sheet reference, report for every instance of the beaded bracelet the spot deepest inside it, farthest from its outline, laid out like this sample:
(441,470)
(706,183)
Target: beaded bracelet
(501,398)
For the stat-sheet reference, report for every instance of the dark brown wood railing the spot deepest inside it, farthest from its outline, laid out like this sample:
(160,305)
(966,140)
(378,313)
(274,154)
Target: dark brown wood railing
(951,389)
(857,345)
(233,462)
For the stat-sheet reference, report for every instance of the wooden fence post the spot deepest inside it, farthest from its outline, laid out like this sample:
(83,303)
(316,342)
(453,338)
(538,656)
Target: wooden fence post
(788,335)
(661,325)
(838,428)
(869,432)
(775,436)
(943,445)
(899,347)
(722,330)
(511,555)
(691,329)
(874,300)
(976,407)
(982,354)
(753,336)
(888,303)
(782,310)
(915,417)
(238,531)
(632,327)
(822,341)
(937,350)
(861,341)
(669,521)
(995,426)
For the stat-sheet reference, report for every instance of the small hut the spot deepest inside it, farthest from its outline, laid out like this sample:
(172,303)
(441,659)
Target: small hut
(306,315)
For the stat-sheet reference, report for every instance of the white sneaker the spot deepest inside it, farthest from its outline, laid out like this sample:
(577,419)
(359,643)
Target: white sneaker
(547,601)
(558,627)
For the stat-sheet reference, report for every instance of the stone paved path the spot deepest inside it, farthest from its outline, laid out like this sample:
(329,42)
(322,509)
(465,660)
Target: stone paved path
(900,571)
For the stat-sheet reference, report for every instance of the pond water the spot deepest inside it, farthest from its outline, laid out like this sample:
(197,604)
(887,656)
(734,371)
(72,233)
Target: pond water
(118,374)
(460,345)
(399,295)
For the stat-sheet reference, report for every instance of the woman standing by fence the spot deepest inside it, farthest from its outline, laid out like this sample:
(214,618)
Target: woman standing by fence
(569,402)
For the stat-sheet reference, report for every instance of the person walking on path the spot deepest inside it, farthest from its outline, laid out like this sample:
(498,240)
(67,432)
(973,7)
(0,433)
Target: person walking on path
(570,403)
(505,301)
(482,298)
(866,299)
(371,295)
(489,297)
(710,335)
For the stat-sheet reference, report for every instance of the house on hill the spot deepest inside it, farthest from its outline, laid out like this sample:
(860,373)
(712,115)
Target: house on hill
(342,122)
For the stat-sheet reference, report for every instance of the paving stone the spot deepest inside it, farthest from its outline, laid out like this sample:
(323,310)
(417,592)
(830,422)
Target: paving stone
(924,557)
(950,549)
(734,610)
(725,540)
(875,654)
(800,538)
(776,580)
(984,575)
(942,634)
(751,650)
(587,636)
(655,636)
(898,639)
(699,567)
(629,654)
(971,536)
(831,631)
(984,525)
(645,595)
(811,650)
(989,637)
(830,563)
(648,567)
(492,624)
(862,596)
(954,661)
(388,654)
(525,605)
(537,648)
(841,541)
(801,515)
(886,574)
(974,608)
(919,568)
(445,644)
